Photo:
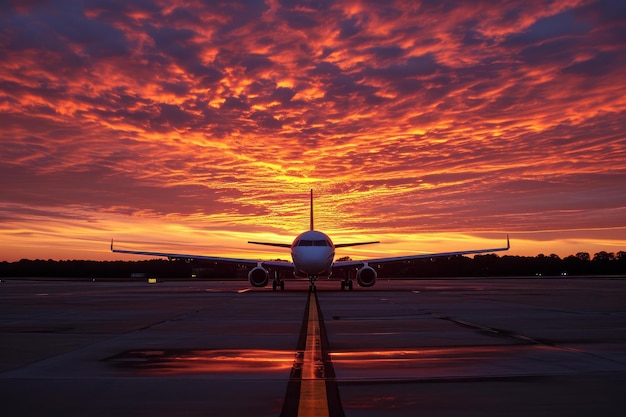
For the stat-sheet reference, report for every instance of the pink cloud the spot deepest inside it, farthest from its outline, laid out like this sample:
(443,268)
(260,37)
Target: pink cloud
(449,117)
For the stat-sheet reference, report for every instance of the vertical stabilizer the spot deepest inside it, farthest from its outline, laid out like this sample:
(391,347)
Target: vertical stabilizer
(312,209)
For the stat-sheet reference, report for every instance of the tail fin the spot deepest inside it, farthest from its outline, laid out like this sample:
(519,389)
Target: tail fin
(312,209)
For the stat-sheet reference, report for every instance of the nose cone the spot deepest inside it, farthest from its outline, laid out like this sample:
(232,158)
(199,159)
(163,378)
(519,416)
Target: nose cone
(313,260)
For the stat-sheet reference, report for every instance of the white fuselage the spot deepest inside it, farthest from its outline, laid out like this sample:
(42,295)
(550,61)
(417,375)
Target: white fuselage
(313,254)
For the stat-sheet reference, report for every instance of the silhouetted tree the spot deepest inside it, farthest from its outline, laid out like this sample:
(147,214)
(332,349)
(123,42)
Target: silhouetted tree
(584,256)
(604,256)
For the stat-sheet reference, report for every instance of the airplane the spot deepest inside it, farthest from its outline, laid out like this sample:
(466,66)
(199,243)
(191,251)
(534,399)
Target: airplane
(313,257)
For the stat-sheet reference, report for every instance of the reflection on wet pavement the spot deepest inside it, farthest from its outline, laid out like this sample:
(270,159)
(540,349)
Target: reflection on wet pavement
(420,363)
(446,362)
(185,361)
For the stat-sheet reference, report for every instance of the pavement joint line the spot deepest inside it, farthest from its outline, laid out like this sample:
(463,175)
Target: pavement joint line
(539,342)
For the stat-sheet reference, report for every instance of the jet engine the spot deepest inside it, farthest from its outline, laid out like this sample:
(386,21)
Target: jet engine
(366,276)
(258,276)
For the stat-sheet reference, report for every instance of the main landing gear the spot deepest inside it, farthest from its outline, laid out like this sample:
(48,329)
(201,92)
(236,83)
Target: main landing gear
(346,283)
(277,282)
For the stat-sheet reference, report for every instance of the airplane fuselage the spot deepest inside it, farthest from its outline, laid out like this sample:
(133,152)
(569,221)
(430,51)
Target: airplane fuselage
(312,253)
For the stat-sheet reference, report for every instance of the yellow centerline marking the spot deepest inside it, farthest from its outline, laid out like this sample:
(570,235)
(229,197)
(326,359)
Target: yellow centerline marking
(313,399)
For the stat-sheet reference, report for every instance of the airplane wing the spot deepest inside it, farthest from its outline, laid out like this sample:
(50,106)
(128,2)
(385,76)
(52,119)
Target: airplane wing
(280,245)
(344,264)
(241,261)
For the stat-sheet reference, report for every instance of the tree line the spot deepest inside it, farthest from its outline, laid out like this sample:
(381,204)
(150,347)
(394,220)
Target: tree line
(602,263)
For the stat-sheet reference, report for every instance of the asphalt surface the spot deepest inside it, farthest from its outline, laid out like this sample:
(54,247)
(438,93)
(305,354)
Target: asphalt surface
(454,347)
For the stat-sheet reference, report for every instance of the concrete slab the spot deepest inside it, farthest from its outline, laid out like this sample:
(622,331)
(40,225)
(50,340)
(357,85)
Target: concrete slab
(457,347)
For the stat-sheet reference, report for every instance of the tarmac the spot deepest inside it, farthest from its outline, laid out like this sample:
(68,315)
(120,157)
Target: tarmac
(541,346)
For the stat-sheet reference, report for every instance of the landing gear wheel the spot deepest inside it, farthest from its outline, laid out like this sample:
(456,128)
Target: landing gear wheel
(273,285)
(350,285)
(343,285)
(282,285)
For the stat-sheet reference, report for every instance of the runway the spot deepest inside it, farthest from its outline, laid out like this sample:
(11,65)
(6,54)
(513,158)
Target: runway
(446,347)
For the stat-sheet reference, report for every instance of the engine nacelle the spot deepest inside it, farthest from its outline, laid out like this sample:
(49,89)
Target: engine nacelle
(366,276)
(258,276)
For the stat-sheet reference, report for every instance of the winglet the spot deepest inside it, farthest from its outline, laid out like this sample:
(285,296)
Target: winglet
(312,209)
(111,245)
(508,243)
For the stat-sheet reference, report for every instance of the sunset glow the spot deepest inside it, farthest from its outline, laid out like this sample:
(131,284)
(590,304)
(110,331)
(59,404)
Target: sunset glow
(197,126)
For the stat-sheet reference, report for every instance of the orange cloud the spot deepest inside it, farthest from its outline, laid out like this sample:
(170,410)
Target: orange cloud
(182,123)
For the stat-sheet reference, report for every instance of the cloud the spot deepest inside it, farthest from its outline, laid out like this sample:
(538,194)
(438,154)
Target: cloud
(439,116)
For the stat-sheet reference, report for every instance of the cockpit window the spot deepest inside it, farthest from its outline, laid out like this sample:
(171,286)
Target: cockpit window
(306,242)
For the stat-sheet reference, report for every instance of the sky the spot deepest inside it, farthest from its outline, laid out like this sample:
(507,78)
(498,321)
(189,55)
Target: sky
(195,126)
